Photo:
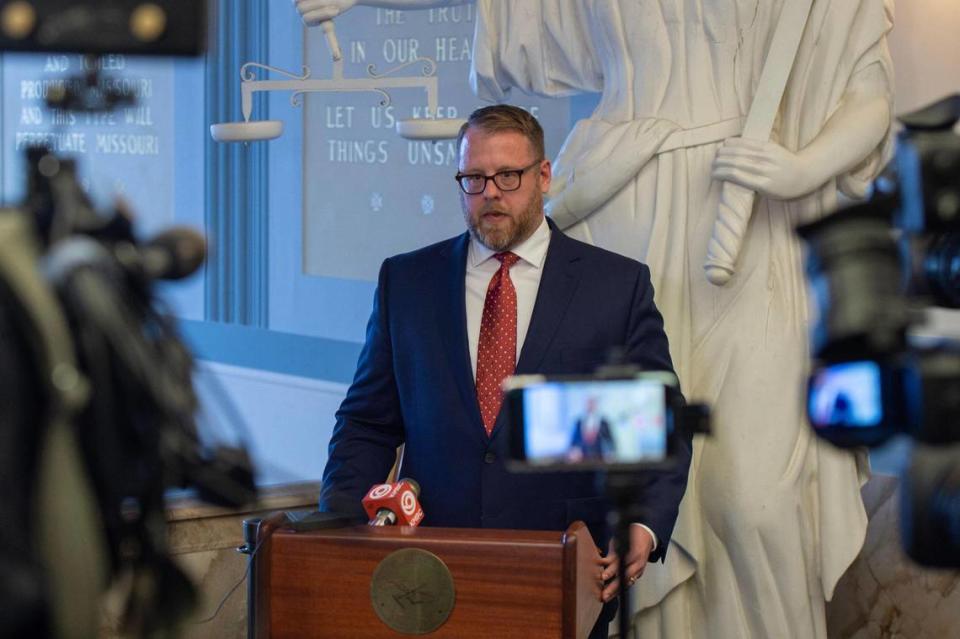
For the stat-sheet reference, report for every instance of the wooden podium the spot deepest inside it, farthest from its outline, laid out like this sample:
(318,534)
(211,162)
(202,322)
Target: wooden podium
(435,582)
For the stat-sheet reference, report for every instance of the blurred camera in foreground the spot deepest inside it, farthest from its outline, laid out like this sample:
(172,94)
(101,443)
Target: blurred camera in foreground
(873,270)
(157,27)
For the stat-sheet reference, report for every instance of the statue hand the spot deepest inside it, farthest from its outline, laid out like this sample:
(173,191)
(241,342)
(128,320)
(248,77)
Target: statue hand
(765,167)
(313,12)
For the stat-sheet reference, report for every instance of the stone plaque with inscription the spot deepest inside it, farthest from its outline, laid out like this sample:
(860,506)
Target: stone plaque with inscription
(369,193)
(127,152)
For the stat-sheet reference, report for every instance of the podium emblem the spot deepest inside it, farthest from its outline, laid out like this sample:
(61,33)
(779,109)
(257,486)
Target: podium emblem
(412,591)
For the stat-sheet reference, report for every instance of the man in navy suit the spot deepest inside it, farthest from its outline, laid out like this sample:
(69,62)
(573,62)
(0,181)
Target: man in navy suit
(425,374)
(592,437)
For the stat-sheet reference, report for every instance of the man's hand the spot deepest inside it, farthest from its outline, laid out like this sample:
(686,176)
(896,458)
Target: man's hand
(764,167)
(641,545)
(313,12)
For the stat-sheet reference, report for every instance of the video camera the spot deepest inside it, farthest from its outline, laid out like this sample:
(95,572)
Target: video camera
(97,406)
(873,269)
(616,422)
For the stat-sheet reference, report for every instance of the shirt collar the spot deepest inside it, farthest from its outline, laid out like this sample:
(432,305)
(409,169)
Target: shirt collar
(532,250)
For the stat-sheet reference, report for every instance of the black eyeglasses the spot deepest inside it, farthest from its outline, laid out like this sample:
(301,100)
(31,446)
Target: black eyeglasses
(475,183)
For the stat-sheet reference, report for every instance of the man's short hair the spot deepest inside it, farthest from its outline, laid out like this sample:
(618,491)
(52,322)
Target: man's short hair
(505,117)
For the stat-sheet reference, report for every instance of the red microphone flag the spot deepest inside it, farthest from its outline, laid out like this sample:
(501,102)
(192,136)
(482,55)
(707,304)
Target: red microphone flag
(399,498)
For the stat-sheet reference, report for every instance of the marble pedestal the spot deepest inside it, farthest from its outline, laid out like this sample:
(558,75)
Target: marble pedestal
(204,541)
(884,594)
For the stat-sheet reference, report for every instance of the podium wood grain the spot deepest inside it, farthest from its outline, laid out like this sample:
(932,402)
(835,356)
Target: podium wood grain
(508,583)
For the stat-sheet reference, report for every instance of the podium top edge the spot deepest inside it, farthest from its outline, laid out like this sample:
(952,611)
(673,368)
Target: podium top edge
(432,534)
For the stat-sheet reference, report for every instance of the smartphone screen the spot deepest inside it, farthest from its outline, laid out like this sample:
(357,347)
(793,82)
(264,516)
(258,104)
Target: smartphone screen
(591,422)
(846,395)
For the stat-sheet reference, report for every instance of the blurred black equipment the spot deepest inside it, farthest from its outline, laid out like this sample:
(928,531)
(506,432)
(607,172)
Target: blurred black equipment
(173,254)
(135,429)
(97,405)
(873,269)
(157,27)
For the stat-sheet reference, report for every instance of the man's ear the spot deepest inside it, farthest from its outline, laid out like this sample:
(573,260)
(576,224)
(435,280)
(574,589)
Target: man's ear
(546,173)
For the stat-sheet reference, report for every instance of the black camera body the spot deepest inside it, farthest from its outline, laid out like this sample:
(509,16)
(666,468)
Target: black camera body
(131,427)
(873,269)
(158,27)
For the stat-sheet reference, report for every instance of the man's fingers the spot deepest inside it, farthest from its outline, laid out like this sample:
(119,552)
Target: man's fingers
(638,557)
(633,575)
(613,587)
(611,565)
(610,590)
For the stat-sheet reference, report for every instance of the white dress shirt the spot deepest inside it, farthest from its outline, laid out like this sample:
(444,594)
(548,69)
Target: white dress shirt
(525,275)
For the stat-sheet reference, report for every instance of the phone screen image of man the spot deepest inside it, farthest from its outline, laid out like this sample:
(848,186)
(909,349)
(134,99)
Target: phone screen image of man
(622,421)
(846,395)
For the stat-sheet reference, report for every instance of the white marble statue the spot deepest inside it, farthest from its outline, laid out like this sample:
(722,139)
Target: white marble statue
(772,516)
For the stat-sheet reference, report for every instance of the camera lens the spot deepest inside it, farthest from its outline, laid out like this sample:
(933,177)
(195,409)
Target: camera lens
(930,506)
(939,393)
(853,266)
(940,264)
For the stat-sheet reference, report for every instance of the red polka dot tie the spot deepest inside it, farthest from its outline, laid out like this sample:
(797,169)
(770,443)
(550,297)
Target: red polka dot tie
(497,348)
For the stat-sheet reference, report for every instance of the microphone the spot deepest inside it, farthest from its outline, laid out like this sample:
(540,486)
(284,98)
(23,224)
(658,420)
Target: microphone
(173,254)
(394,504)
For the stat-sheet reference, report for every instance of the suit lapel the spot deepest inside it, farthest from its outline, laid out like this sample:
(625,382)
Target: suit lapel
(452,324)
(558,283)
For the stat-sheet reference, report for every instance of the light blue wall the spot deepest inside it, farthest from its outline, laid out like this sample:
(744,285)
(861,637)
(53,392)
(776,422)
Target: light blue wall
(311,328)
(325,308)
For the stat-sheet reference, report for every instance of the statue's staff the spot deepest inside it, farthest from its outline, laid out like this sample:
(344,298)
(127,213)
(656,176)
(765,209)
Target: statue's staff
(736,202)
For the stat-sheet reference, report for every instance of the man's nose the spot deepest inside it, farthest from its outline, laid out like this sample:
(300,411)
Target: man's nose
(491,190)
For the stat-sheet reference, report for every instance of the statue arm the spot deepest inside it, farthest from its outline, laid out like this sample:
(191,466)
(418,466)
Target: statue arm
(859,124)
(313,12)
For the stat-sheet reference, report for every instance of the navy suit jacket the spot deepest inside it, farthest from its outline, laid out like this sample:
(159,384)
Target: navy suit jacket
(414,385)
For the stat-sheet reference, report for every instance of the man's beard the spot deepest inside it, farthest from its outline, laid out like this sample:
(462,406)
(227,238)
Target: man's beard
(523,226)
